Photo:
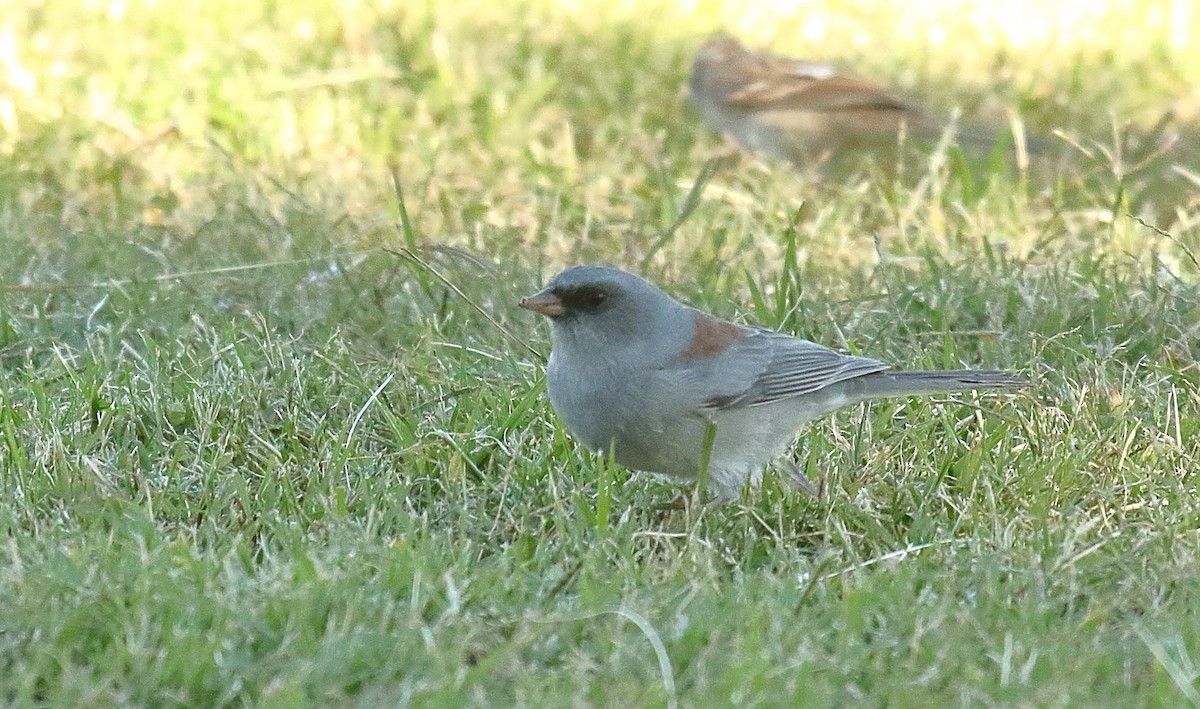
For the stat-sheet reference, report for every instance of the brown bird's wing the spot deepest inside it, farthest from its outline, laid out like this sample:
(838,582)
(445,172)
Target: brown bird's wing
(800,92)
(773,64)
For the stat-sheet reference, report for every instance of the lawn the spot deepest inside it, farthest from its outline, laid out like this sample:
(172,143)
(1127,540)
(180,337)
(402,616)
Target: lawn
(273,431)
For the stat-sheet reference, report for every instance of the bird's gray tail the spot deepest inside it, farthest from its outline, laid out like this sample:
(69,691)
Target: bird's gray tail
(885,384)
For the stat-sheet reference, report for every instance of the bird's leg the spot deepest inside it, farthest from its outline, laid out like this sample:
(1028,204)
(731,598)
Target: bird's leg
(730,148)
(797,477)
(722,496)
(678,503)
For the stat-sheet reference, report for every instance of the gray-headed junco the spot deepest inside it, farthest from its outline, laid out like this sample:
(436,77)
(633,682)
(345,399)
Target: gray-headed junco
(801,111)
(636,372)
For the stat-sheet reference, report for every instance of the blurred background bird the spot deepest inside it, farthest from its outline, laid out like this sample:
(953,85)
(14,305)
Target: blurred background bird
(805,111)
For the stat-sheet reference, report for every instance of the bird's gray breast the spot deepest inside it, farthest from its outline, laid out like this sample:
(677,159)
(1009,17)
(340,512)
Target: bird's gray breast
(621,409)
(593,401)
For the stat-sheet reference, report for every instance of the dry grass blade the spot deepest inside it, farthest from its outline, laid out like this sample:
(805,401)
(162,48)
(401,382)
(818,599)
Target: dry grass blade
(408,254)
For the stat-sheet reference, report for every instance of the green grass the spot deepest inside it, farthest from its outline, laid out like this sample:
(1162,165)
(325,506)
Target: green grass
(260,446)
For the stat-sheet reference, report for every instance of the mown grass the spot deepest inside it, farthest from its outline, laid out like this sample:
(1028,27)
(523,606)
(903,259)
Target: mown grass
(257,451)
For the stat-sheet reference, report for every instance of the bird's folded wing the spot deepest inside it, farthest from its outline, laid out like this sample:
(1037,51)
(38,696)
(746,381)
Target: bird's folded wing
(768,367)
(784,66)
(802,92)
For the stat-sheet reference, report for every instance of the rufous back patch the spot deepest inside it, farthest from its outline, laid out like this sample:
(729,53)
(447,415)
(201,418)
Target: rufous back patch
(712,336)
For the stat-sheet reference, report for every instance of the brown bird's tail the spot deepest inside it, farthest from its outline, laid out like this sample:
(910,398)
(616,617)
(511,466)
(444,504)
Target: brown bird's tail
(986,137)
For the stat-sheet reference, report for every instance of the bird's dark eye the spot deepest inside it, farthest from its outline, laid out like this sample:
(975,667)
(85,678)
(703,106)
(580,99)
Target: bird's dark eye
(586,298)
(594,298)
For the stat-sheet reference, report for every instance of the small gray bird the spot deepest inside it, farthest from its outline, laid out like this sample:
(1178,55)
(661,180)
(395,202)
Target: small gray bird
(803,111)
(636,372)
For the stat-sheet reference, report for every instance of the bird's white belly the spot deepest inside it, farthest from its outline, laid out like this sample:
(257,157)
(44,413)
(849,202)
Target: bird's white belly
(659,432)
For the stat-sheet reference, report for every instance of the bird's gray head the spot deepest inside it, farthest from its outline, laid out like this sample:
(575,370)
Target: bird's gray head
(593,305)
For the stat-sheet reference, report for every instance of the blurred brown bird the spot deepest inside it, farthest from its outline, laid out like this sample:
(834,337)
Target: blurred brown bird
(799,110)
